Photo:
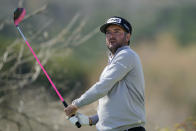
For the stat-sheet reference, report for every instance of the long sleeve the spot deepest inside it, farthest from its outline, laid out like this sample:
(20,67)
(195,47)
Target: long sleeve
(121,64)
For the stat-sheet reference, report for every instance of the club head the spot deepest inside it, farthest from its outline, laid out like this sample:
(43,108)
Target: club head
(19,14)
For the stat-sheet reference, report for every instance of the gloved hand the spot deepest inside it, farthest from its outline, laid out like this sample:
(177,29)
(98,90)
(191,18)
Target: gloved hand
(83,119)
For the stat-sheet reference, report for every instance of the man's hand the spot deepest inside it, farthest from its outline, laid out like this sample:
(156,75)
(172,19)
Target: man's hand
(82,119)
(71,110)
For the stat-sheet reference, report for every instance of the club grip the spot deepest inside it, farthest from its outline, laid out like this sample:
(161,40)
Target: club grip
(65,104)
(74,120)
(77,123)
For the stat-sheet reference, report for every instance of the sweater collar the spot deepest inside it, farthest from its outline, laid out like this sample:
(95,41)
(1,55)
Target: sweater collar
(110,56)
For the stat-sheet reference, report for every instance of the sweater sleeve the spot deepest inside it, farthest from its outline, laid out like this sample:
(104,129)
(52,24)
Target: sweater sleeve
(122,63)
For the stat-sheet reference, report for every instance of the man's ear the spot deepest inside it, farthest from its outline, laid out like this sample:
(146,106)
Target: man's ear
(128,36)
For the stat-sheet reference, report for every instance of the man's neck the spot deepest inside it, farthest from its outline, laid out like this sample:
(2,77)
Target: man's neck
(114,52)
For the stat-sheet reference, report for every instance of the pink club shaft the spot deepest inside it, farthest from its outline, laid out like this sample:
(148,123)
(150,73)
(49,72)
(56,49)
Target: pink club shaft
(61,98)
(18,17)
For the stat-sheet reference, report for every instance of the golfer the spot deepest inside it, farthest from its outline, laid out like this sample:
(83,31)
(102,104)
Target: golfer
(120,89)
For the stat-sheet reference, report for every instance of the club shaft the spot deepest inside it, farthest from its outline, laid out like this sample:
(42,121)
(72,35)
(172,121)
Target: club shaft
(53,85)
(61,98)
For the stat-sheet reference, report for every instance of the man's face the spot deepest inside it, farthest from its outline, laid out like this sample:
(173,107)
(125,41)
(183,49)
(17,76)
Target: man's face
(116,37)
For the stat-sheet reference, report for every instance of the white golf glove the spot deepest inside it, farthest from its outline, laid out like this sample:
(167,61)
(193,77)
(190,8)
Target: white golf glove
(82,119)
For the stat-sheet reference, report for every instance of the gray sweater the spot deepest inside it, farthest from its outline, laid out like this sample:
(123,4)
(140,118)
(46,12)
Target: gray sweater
(120,91)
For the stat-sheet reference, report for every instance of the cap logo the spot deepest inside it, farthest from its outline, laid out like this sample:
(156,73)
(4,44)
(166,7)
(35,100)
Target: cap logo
(114,20)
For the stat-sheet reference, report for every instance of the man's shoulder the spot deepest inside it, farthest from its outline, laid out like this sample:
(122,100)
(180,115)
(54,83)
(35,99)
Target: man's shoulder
(126,55)
(127,52)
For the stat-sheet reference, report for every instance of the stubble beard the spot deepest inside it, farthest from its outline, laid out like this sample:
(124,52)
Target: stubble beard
(113,48)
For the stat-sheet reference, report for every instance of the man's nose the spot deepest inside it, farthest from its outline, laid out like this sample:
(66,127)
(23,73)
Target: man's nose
(110,35)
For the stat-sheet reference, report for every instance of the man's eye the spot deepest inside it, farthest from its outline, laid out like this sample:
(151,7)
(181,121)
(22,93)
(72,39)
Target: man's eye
(117,32)
(108,32)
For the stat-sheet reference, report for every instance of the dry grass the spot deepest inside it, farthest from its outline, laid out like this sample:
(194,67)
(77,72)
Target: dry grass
(170,81)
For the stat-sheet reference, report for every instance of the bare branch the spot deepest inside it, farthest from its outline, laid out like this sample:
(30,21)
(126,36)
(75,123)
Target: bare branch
(14,67)
(4,57)
(13,121)
(3,23)
(76,32)
(30,118)
(48,23)
(37,67)
(59,37)
(38,11)
(87,37)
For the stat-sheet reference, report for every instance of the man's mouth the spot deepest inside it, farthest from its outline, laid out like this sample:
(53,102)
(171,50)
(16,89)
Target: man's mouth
(112,41)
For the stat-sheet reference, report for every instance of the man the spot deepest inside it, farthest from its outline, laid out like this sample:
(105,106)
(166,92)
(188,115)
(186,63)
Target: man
(120,89)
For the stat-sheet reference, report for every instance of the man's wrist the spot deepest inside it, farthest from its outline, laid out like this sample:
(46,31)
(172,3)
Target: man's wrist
(75,103)
(75,106)
(90,122)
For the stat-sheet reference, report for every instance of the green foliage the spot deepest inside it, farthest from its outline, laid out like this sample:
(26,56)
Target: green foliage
(69,76)
(4,42)
(21,68)
(180,20)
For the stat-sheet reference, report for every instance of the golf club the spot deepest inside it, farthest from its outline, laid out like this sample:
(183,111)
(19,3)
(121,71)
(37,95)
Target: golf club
(19,14)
